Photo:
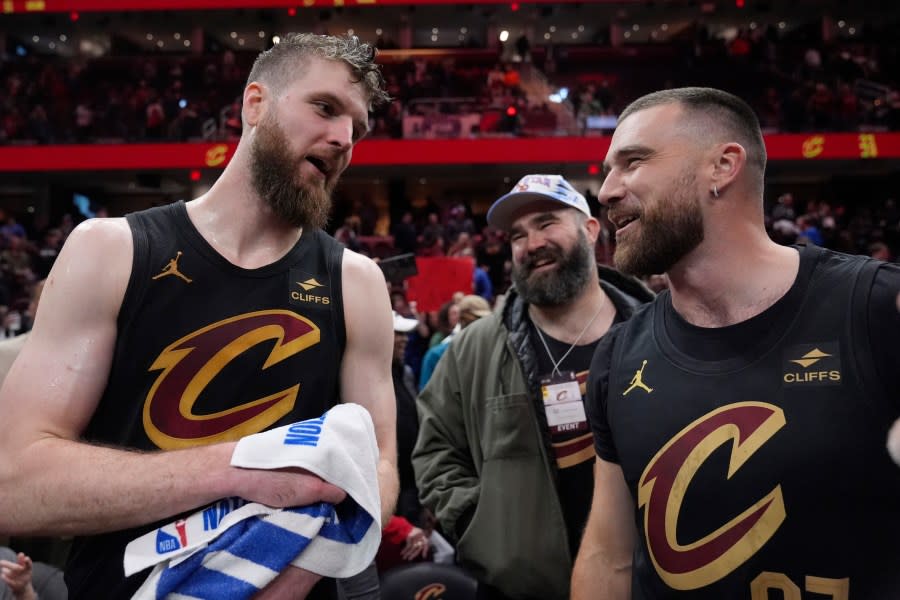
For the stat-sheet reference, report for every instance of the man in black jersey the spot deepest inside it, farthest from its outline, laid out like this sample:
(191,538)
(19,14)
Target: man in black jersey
(504,453)
(740,418)
(165,337)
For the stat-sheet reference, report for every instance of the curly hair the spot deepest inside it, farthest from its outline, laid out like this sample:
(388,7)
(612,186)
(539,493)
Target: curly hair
(280,64)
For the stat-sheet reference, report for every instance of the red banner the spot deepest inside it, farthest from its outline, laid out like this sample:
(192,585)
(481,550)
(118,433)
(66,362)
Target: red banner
(811,146)
(815,146)
(438,279)
(110,157)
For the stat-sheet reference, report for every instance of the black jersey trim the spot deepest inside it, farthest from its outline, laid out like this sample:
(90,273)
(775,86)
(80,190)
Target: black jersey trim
(139,278)
(178,213)
(334,264)
(858,328)
(747,341)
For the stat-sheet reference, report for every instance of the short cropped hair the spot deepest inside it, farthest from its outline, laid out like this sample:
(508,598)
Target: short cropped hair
(277,66)
(728,111)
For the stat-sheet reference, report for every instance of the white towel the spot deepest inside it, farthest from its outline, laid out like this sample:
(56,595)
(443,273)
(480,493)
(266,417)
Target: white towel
(233,548)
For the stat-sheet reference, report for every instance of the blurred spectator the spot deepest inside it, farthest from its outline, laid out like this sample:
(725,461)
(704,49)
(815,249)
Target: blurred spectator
(471,308)
(404,538)
(405,234)
(155,118)
(11,228)
(24,320)
(348,233)
(847,107)
(495,76)
(401,542)
(880,251)
(176,96)
(38,125)
(493,253)
(15,260)
(523,48)
(481,283)
(432,240)
(812,63)
(455,223)
(809,231)
(821,107)
(891,112)
(84,122)
(405,390)
(784,208)
(463,246)
(739,47)
(21,579)
(770,112)
(231,121)
(448,317)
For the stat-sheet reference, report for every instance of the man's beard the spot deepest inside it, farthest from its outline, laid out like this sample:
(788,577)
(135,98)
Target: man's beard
(561,285)
(669,230)
(275,176)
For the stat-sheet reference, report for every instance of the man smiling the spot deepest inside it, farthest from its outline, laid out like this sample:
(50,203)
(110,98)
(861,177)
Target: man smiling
(504,456)
(739,419)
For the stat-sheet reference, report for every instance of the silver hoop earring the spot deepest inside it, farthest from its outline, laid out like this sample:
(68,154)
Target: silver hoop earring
(715,191)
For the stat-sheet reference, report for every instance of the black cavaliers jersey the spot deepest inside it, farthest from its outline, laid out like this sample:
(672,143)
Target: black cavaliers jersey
(572,446)
(759,471)
(209,352)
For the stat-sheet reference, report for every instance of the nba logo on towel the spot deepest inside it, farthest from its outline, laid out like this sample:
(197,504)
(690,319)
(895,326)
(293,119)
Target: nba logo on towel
(166,542)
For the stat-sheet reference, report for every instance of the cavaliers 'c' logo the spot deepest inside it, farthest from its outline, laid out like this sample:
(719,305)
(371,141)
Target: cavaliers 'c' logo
(746,426)
(432,591)
(191,363)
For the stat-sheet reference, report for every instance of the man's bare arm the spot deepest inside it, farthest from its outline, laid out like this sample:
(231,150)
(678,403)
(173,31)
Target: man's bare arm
(52,482)
(366,368)
(603,566)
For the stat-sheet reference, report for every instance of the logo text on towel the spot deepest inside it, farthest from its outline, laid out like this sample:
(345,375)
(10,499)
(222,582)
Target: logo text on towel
(305,433)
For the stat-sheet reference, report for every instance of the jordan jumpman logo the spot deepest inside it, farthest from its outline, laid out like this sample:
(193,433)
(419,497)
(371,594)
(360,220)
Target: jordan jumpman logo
(172,269)
(637,381)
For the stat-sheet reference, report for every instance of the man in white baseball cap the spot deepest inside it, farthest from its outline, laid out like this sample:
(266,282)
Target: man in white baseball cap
(502,421)
(532,189)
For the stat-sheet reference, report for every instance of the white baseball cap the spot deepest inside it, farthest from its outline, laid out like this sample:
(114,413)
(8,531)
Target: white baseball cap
(402,324)
(532,188)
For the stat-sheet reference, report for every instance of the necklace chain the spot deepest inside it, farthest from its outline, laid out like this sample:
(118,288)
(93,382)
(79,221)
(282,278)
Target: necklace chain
(554,362)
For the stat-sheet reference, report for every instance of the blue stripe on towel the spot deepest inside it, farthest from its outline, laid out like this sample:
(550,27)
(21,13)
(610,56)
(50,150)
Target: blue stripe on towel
(264,543)
(269,545)
(175,578)
(352,524)
(215,585)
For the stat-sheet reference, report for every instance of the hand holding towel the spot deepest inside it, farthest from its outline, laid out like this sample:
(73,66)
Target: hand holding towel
(232,548)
